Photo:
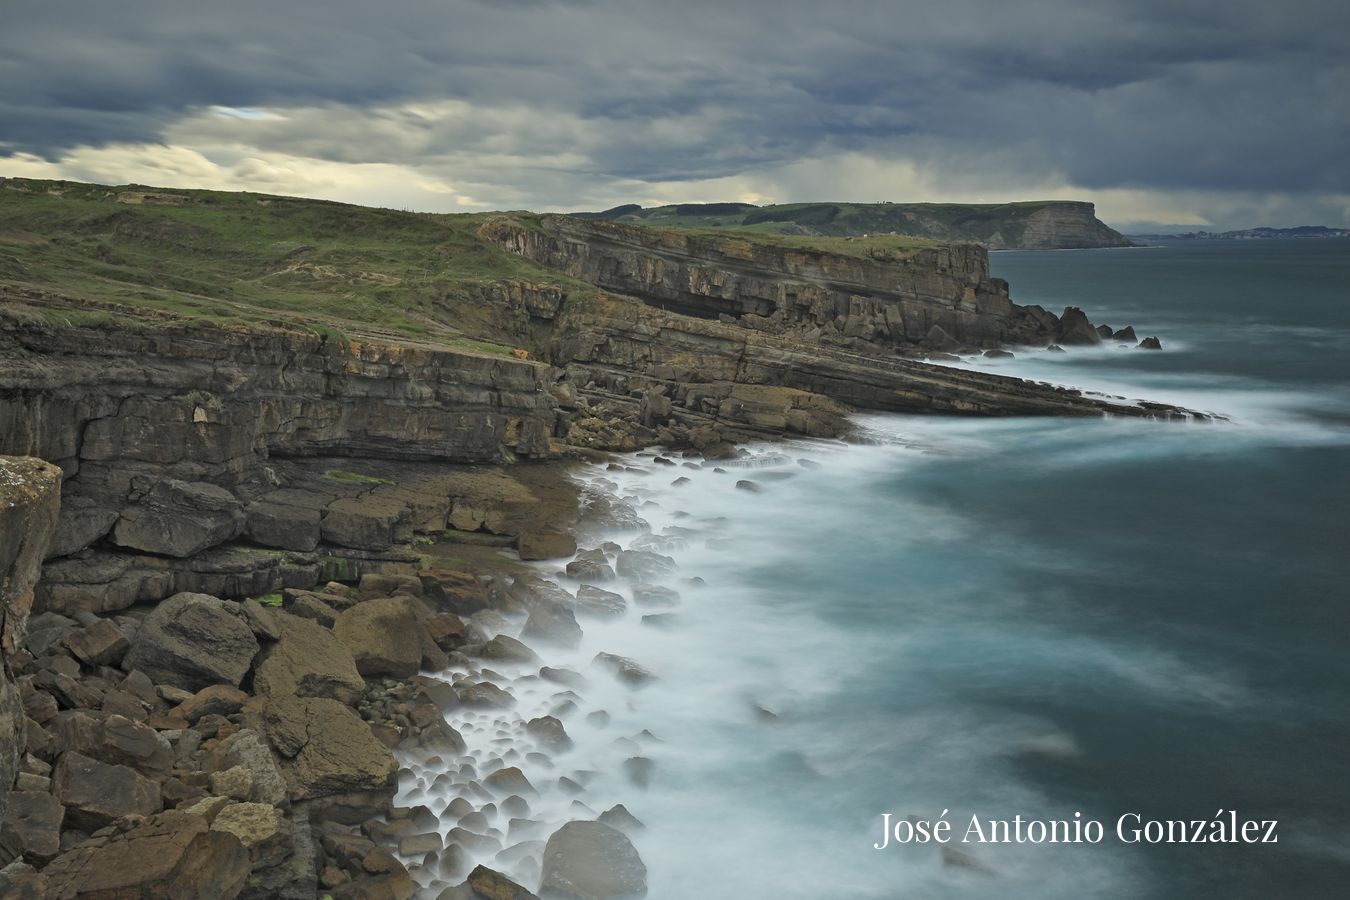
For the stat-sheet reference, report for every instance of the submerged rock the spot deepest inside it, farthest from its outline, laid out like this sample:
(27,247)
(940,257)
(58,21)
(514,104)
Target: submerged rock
(600,603)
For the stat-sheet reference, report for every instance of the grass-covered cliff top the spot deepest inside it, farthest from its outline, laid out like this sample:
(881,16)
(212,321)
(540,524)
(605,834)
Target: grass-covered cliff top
(243,258)
(254,260)
(934,221)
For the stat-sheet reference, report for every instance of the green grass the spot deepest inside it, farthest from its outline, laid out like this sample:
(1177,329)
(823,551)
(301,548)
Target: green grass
(270,600)
(254,260)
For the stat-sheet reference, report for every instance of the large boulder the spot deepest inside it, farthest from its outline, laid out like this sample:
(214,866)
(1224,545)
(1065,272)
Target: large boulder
(96,794)
(180,518)
(326,748)
(191,641)
(308,661)
(592,861)
(247,750)
(384,636)
(173,854)
(113,739)
(369,522)
(32,827)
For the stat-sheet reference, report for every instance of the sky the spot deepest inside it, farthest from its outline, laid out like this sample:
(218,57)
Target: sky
(1162,112)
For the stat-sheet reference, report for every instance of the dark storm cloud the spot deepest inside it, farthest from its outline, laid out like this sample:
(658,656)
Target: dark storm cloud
(1144,94)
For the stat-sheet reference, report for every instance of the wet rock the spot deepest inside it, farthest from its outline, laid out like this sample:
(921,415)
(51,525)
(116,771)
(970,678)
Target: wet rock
(639,771)
(751,486)
(491,885)
(592,861)
(550,734)
(545,545)
(661,620)
(552,623)
(654,596)
(325,747)
(96,794)
(626,670)
(98,644)
(1125,334)
(507,649)
(1075,329)
(1104,332)
(1055,348)
(32,827)
(999,354)
(1150,343)
(484,694)
(619,817)
(563,676)
(308,661)
(643,565)
(590,565)
(191,641)
(383,636)
(178,518)
(172,854)
(419,844)
(509,781)
(602,604)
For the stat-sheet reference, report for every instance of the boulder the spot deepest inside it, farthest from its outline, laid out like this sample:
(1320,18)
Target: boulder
(592,861)
(602,604)
(552,623)
(308,661)
(326,748)
(246,749)
(625,669)
(545,545)
(96,794)
(384,637)
(113,739)
(550,734)
(488,884)
(191,641)
(1104,332)
(215,700)
(260,827)
(643,565)
(999,354)
(32,827)
(179,518)
(590,565)
(1150,343)
(484,694)
(98,644)
(507,649)
(172,854)
(1125,334)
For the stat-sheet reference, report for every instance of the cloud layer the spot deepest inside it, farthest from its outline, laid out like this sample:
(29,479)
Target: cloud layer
(1178,112)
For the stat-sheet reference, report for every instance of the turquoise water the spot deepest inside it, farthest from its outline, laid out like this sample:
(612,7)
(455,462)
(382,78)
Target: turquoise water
(1055,619)
(1032,617)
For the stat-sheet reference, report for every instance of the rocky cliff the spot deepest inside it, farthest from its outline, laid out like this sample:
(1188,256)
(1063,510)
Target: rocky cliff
(181,447)
(30,497)
(1036,225)
(938,297)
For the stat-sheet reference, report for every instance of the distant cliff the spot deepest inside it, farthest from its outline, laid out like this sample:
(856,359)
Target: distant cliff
(1263,233)
(1035,225)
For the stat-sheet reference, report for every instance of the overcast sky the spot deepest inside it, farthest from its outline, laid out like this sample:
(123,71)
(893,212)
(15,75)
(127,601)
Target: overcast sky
(1225,114)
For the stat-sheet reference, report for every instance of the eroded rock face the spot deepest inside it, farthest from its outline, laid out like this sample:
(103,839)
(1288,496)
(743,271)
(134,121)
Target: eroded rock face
(192,641)
(30,498)
(592,861)
(178,518)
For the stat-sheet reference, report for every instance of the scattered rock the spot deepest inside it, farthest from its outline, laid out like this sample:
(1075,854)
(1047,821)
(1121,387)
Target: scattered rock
(325,747)
(98,644)
(600,603)
(383,637)
(308,661)
(626,670)
(491,885)
(550,734)
(507,649)
(643,565)
(619,817)
(999,354)
(590,565)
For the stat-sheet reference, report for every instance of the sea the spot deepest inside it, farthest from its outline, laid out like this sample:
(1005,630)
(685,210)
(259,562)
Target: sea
(976,621)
